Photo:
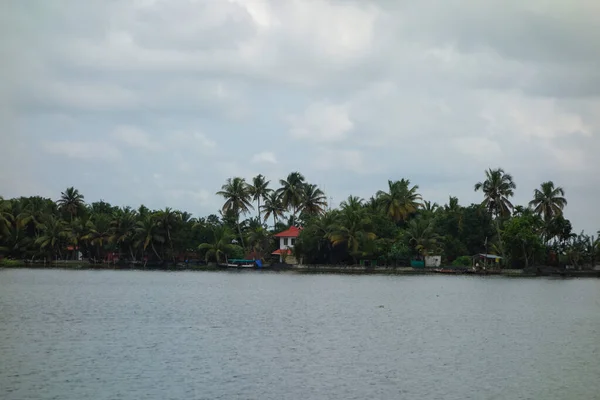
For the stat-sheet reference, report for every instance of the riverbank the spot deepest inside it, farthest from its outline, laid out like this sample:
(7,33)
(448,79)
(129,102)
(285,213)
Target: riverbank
(310,269)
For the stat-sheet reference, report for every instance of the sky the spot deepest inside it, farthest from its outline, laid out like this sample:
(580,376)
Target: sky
(159,102)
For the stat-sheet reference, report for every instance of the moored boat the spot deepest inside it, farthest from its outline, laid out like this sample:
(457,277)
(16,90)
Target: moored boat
(241,263)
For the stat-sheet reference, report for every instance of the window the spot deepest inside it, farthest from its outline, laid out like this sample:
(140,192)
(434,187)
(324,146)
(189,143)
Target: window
(293,241)
(285,241)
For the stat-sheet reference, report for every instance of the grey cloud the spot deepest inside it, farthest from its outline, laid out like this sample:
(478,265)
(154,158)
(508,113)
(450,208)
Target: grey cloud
(435,91)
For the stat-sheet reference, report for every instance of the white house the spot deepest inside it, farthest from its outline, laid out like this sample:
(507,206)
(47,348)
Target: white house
(287,241)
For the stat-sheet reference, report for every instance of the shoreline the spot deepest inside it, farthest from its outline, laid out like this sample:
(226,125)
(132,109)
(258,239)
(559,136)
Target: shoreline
(315,269)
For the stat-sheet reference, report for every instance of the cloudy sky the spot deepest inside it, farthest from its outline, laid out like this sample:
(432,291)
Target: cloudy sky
(158,102)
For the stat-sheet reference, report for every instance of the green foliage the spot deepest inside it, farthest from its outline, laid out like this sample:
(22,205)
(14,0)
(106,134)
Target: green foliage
(392,226)
(462,261)
(523,242)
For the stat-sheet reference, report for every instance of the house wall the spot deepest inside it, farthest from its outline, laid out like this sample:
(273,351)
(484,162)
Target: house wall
(433,261)
(289,245)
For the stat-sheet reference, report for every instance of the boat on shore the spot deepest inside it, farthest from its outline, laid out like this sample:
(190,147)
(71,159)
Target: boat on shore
(242,264)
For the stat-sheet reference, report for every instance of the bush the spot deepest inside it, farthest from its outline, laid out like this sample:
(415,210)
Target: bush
(462,261)
(5,262)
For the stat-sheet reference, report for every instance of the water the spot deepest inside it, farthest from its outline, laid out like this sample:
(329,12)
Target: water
(255,335)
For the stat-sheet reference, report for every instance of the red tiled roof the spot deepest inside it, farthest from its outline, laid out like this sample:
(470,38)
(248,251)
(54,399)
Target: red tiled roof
(279,251)
(292,232)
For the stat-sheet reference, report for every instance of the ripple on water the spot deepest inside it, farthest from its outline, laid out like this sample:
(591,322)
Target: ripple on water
(156,335)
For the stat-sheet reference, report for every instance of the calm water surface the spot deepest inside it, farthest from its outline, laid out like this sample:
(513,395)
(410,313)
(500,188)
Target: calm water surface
(250,335)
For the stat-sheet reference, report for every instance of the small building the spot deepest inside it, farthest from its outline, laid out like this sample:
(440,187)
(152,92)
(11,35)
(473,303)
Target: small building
(287,241)
(484,260)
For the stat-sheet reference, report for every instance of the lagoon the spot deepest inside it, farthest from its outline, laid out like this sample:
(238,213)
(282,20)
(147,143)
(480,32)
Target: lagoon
(264,335)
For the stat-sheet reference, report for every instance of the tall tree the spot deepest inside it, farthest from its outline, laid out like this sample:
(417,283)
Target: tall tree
(71,201)
(421,234)
(548,201)
(53,236)
(273,207)
(353,227)
(236,193)
(148,233)
(314,201)
(220,247)
(292,192)
(259,190)
(497,187)
(401,200)
(167,220)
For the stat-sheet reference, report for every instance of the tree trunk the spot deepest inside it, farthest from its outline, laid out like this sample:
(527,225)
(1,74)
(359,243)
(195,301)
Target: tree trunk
(171,244)
(155,252)
(131,252)
(500,245)
(525,255)
(259,218)
(237,222)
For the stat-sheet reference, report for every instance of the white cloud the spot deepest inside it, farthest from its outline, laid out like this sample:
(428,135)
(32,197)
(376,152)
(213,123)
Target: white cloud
(135,137)
(349,160)
(344,91)
(321,122)
(264,157)
(83,150)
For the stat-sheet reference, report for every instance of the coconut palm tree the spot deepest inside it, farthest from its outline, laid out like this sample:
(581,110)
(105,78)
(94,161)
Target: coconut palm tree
(147,233)
(421,233)
(237,200)
(70,201)
(259,190)
(99,232)
(53,235)
(259,239)
(221,246)
(273,207)
(497,188)
(401,200)
(167,220)
(292,192)
(314,201)
(124,225)
(6,217)
(353,227)
(548,201)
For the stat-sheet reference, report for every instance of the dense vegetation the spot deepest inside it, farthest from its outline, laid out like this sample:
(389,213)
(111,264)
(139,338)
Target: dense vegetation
(392,227)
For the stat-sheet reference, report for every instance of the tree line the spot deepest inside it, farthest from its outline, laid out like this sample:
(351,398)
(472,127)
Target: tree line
(392,227)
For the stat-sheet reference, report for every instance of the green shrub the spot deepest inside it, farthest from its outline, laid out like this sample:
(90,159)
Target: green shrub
(462,261)
(5,262)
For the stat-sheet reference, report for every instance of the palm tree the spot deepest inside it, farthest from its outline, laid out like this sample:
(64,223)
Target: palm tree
(99,232)
(78,230)
(273,206)
(292,192)
(401,200)
(237,200)
(353,227)
(124,229)
(548,201)
(421,233)
(497,188)
(54,234)
(6,217)
(259,190)
(167,220)
(314,201)
(70,201)
(221,245)
(147,233)
(259,239)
